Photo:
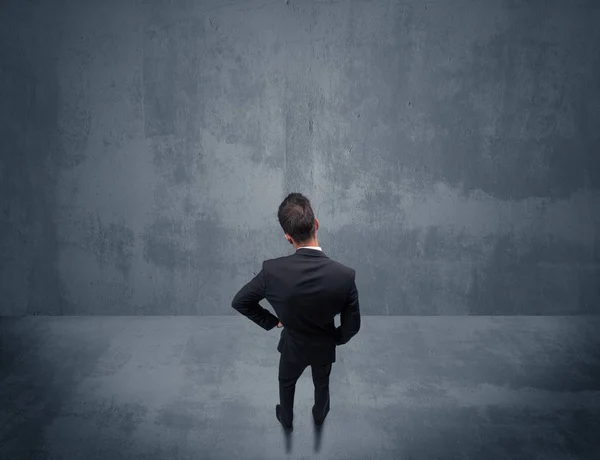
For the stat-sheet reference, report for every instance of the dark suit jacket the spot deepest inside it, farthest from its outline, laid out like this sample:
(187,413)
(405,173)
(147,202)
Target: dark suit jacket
(307,290)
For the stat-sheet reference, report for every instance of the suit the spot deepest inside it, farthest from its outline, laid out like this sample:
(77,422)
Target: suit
(307,290)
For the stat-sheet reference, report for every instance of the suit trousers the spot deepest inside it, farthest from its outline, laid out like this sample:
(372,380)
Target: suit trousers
(289,373)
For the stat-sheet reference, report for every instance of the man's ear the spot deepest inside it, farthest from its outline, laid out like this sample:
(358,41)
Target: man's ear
(316,224)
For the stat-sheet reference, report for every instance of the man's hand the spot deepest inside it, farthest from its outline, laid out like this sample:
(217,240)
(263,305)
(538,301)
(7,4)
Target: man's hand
(280,325)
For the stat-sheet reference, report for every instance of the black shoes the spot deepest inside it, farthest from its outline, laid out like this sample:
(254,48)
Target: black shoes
(278,415)
(319,421)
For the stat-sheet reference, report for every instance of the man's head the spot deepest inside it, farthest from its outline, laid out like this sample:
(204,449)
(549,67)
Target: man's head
(297,220)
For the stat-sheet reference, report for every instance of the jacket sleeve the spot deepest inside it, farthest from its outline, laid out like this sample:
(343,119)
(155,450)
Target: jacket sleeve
(246,301)
(350,316)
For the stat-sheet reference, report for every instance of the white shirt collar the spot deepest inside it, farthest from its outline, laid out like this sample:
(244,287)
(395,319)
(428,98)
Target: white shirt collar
(318,248)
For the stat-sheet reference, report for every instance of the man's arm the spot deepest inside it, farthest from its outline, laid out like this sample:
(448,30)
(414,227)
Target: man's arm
(350,316)
(246,301)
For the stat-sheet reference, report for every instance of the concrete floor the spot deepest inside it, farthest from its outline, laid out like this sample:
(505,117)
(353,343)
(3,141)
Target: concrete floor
(206,388)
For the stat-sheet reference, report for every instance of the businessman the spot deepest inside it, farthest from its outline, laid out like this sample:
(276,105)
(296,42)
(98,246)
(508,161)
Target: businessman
(307,290)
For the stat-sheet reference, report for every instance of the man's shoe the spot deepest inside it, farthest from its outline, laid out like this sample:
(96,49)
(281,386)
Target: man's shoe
(289,427)
(319,421)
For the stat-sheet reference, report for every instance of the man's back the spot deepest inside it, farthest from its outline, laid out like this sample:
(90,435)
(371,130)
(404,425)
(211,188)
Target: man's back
(307,290)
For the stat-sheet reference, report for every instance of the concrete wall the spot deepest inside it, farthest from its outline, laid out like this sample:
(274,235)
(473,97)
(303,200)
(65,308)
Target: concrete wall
(451,151)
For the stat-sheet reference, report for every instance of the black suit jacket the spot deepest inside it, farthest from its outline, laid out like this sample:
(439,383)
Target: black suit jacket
(307,290)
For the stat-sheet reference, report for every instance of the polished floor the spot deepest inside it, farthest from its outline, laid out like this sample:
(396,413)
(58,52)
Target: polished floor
(206,387)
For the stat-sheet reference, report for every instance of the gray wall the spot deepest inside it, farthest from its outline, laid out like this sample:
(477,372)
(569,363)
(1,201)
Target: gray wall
(451,151)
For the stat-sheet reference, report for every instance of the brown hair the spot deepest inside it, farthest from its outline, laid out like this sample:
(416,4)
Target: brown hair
(296,217)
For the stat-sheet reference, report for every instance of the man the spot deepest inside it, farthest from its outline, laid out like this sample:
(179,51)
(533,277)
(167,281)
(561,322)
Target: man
(307,290)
